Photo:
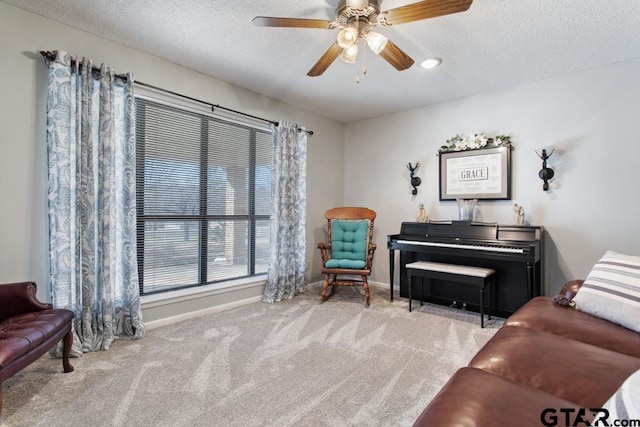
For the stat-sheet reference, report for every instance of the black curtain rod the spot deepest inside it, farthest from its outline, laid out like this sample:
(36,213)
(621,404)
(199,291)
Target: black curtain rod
(214,106)
(52,56)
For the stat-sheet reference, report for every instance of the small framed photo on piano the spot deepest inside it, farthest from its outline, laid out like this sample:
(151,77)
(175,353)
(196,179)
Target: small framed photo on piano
(476,174)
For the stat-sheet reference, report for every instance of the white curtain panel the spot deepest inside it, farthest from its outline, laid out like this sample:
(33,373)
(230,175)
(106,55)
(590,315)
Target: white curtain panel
(286,276)
(91,196)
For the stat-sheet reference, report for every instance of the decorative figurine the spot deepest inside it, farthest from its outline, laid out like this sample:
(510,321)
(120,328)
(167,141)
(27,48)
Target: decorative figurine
(422,214)
(518,218)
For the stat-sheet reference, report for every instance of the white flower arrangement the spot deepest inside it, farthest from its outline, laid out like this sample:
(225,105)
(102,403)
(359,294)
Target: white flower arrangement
(477,141)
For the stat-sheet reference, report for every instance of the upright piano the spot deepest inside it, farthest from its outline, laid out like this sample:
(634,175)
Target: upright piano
(515,252)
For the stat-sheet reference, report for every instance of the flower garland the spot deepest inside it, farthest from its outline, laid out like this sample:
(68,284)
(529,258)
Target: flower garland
(477,141)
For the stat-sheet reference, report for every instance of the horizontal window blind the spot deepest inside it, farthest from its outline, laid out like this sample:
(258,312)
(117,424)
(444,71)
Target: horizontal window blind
(203,193)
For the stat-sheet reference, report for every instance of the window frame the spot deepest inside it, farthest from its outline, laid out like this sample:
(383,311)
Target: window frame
(203,217)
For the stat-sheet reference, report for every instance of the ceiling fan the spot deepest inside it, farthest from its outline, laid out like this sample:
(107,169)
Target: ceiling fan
(356,20)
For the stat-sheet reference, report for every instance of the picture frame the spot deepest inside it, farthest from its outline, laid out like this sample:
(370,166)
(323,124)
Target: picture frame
(483,174)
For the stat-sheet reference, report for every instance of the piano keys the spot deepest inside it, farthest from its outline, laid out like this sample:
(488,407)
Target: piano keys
(505,249)
(514,251)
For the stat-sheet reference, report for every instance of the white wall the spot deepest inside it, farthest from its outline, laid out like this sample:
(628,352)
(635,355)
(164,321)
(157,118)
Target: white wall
(23,217)
(593,203)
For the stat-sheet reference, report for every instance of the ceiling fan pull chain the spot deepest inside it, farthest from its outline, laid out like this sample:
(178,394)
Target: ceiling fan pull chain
(364,57)
(364,67)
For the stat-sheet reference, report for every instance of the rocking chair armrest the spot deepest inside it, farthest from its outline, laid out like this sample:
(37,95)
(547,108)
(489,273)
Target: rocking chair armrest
(322,246)
(325,251)
(370,253)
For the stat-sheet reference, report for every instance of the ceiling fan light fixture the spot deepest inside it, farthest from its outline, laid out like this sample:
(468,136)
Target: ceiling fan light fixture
(376,41)
(357,4)
(430,63)
(350,55)
(347,37)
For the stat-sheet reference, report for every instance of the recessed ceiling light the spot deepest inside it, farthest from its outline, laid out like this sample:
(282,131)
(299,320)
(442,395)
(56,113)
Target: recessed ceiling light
(430,63)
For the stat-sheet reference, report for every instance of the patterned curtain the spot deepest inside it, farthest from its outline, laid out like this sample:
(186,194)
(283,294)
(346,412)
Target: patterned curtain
(91,196)
(286,276)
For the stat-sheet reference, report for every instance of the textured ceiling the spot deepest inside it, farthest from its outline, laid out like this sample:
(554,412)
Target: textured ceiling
(493,45)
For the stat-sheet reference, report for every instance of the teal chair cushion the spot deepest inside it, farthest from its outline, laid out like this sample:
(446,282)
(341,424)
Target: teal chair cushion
(348,244)
(345,263)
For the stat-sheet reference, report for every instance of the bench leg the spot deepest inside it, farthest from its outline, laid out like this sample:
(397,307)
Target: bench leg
(491,284)
(67,341)
(409,282)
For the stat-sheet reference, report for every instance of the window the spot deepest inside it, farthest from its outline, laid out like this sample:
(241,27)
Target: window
(203,198)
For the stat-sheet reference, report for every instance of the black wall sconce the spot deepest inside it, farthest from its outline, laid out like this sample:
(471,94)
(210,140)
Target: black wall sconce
(415,181)
(545,173)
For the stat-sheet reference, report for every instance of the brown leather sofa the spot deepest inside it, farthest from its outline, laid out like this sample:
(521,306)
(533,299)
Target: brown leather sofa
(28,329)
(548,365)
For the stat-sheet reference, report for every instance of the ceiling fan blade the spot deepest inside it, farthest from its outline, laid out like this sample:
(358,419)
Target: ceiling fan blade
(396,56)
(422,10)
(269,21)
(325,60)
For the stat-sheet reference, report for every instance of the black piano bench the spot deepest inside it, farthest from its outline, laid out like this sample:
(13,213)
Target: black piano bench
(479,276)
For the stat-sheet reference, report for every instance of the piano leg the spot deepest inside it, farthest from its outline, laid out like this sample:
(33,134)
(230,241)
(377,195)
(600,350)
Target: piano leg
(482,306)
(409,283)
(392,263)
(536,282)
(530,282)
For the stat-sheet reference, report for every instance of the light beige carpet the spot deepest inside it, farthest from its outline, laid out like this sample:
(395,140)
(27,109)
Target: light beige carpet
(295,363)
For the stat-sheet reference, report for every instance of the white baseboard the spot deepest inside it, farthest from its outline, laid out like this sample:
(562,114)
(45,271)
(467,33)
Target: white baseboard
(199,313)
(220,308)
(371,282)
(383,285)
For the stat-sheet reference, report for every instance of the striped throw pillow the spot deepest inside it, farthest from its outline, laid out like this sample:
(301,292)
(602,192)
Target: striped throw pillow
(624,404)
(611,291)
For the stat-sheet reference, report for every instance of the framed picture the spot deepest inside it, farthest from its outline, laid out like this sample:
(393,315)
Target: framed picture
(476,174)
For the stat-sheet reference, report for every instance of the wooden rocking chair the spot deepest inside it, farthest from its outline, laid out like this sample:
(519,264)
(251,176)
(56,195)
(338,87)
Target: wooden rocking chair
(349,250)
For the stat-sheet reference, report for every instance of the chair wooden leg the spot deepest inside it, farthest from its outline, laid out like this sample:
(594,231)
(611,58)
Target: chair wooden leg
(325,285)
(67,341)
(334,288)
(365,282)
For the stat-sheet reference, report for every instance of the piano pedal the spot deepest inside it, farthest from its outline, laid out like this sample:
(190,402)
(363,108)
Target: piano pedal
(454,304)
(464,305)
